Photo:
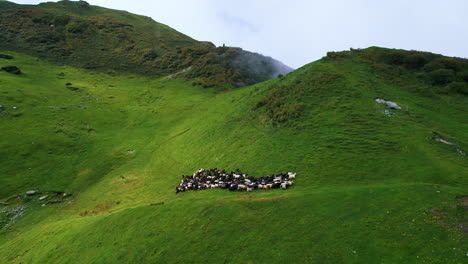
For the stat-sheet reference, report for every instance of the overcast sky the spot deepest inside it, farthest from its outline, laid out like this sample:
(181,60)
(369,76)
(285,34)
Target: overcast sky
(300,31)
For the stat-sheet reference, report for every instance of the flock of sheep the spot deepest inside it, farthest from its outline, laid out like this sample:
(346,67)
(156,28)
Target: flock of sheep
(234,181)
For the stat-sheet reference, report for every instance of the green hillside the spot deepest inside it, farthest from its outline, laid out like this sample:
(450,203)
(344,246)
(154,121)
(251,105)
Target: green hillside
(78,34)
(374,184)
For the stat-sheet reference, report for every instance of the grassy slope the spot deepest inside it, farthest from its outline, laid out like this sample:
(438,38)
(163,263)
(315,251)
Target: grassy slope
(366,185)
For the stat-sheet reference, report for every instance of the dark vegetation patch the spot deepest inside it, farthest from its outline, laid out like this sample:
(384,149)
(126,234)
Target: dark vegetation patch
(11,69)
(277,107)
(92,132)
(99,209)
(453,216)
(286,101)
(6,57)
(71,88)
(438,74)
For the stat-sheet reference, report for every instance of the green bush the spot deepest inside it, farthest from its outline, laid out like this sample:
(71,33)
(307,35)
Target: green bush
(338,54)
(451,63)
(415,61)
(151,55)
(463,76)
(458,87)
(77,26)
(442,76)
(394,57)
(432,66)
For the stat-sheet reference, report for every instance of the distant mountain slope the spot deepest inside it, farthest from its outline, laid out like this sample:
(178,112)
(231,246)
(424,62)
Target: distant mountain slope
(78,34)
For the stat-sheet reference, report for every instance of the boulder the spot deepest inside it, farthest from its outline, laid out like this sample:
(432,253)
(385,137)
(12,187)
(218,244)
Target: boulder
(32,192)
(390,104)
(42,198)
(393,105)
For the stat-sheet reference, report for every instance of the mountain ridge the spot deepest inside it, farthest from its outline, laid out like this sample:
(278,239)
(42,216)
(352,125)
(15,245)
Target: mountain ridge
(78,34)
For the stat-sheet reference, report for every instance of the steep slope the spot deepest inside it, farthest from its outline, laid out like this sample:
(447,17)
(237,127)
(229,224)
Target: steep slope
(374,184)
(78,34)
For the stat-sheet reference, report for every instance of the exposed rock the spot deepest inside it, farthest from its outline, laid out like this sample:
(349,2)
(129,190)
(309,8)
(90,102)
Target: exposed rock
(12,69)
(6,57)
(4,204)
(32,192)
(390,104)
(393,105)
(388,113)
(441,140)
(438,138)
(131,151)
(13,214)
(43,198)
(2,108)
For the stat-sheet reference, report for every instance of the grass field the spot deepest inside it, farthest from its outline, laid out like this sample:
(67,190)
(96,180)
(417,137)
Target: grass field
(371,188)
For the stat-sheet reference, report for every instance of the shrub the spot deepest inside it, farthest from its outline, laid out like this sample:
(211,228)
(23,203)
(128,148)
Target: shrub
(151,55)
(394,57)
(433,65)
(415,61)
(462,76)
(442,76)
(458,87)
(337,55)
(77,26)
(451,63)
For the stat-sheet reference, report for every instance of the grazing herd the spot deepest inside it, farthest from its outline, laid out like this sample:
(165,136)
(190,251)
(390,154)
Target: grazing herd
(234,181)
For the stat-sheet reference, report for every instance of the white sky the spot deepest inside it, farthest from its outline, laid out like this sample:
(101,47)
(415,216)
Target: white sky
(297,32)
